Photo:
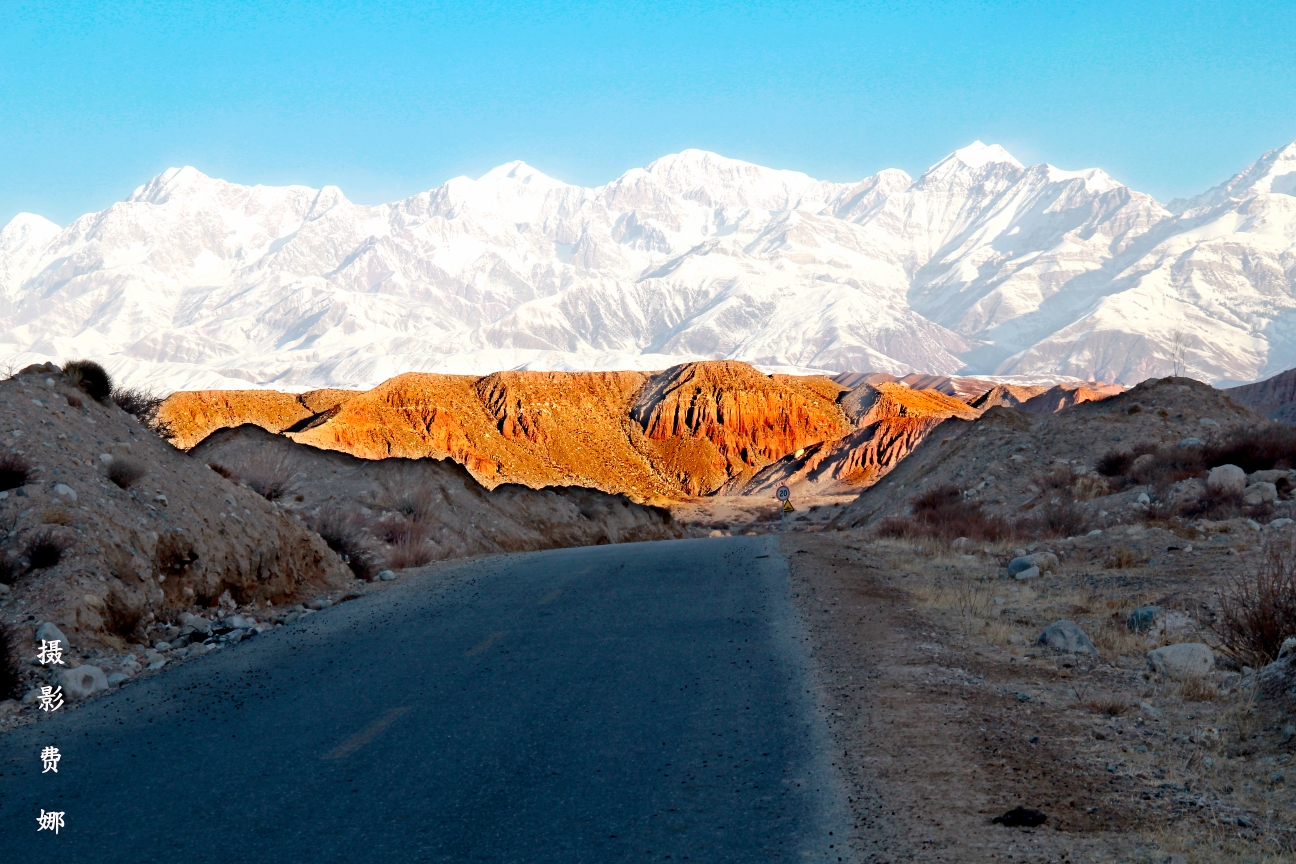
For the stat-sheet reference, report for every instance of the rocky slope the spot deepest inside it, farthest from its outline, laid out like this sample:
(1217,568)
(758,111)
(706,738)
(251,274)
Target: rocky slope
(105,561)
(1274,397)
(980,266)
(1004,458)
(685,431)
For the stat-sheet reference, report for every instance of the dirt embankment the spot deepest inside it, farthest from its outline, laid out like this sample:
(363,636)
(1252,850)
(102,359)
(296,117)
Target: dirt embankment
(114,529)
(408,513)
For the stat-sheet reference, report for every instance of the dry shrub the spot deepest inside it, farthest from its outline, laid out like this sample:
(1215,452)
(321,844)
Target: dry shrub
(143,404)
(269,473)
(1198,688)
(1057,479)
(1058,518)
(125,471)
(408,494)
(10,665)
(1217,506)
(90,377)
(1121,558)
(1089,486)
(15,471)
(943,512)
(45,549)
(223,471)
(345,533)
(1257,610)
(1112,706)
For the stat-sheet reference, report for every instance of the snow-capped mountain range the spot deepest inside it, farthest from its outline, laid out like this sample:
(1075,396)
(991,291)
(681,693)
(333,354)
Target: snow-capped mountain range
(980,266)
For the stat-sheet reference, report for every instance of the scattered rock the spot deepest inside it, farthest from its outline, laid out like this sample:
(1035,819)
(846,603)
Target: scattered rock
(1185,660)
(47,632)
(198,649)
(318,603)
(1253,525)
(1020,817)
(1259,493)
(1280,523)
(1028,573)
(161,646)
(65,491)
(82,681)
(386,576)
(1268,476)
(158,664)
(1097,532)
(1046,562)
(1143,499)
(1067,636)
(1148,709)
(1206,421)
(960,543)
(1191,442)
(117,679)
(1226,480)
(1142,618)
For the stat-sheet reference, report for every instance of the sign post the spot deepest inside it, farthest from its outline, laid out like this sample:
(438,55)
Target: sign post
(784,494)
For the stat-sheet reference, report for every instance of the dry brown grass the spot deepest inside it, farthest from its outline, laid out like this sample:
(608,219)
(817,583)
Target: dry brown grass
(346,533)
(1114,639)
(1198,689)
(269,472)
(1120,558)
(55,516)
(45,548)
(15,471)
(1088,486)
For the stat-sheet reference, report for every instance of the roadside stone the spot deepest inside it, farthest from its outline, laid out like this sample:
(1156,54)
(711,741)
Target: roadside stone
(198,649)
(83,681)
(9,706)
(1067,636)
(47,632)
(1097,532)
(161,646)
(1149,710)
(117,679)
(157,664)
(1185,660)
(1259,493)
(1280,523)
(1253,525)
(1142,618)
(318,603)
(1226,480)
(1028,573)
(1272,476)
(386,576)
(1143,499)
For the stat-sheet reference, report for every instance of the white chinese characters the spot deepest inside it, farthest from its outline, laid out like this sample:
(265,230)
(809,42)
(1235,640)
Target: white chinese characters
(51,653)
(51,821)
(50,757)
(50,698)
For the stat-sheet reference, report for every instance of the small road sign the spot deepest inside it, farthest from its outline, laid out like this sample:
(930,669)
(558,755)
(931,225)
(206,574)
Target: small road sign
(783,493)
(787,507)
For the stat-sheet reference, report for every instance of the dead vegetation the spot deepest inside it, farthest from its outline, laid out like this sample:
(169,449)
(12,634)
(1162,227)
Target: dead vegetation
(45,548)
(1257,607)
(15,471)
(345,532)
(947,513)
(126,471)
(272,474)
(90,378)
(11,681)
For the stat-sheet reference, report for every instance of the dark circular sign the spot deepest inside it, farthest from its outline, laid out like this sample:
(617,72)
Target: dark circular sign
(783,493)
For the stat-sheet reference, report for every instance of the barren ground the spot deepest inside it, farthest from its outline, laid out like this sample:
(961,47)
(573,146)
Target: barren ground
(934,686)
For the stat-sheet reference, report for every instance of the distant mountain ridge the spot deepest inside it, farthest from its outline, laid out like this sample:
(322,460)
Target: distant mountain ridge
(980,267)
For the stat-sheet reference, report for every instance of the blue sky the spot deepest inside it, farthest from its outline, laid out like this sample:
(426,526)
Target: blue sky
(389,100)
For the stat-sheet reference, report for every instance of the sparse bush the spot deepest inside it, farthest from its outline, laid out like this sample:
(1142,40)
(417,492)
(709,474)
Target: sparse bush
(1089,486)
(1061,519)
(1114,463)
(943,512)
(408,494)
(271,473)
(408,542)
(125,471)
(1057,479)
(15,471)
(1198,688)
(10,668)
(45,549)
(138,403)
(90,377)
(223,471)
(344,532)
(1257,610)
(1212,505)
(1121,558)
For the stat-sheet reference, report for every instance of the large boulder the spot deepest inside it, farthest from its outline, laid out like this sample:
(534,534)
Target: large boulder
(82,681)
(1279,677)
(1226,480)
(1068,637)
(1182,661)
(1259,493)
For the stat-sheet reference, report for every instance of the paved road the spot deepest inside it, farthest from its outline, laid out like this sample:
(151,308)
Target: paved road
(642,702)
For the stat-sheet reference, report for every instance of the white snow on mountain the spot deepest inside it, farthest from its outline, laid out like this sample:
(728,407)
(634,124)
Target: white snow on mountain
(980,266)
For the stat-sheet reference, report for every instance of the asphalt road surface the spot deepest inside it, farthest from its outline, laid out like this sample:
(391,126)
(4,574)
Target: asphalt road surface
(639,702)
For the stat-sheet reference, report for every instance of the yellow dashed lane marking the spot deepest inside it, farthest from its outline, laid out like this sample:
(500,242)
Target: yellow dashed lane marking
(485,643)
(365,735)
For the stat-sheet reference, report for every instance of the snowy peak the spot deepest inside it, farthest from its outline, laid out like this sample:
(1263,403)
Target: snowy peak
(520,173)
(714,180)
(978,155)
(26,230)
(185,181)
(1272,173)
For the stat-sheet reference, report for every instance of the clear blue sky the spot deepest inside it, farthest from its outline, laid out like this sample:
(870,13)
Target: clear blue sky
(395,98)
